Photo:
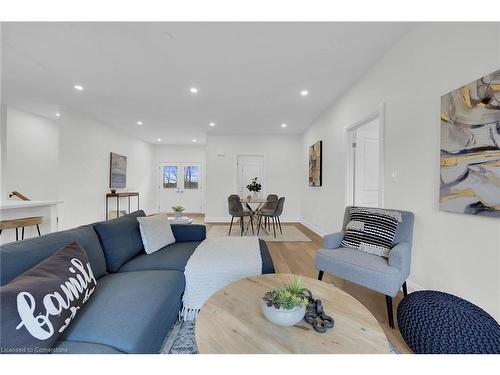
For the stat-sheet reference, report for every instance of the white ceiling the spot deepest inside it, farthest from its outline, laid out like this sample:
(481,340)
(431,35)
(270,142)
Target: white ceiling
(249,75)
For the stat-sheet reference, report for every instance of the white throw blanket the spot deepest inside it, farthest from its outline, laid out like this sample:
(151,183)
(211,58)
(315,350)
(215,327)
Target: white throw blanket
(215,263)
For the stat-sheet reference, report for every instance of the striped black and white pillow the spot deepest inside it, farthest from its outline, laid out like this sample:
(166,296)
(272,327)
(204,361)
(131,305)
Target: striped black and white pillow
(371,230)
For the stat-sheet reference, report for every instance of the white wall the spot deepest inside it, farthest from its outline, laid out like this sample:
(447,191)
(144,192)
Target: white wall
(85,145)
(32,155)
(3,151)
(180,153)
(3,123)
(282,161)
(456,253)
(172,153)
(29,165)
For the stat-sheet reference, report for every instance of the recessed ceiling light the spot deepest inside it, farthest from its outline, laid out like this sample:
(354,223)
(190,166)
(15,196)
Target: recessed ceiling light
(193,90)
(159,140)
(284,125)
(139,122)
(194,140)
(78,87)
(304,93)
(212,124)
(58,114)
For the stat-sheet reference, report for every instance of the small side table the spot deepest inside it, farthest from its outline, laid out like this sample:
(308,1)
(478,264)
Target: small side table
(183,220)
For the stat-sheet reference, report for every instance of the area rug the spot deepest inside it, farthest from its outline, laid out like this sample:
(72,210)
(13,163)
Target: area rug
(181,340)
(290,233)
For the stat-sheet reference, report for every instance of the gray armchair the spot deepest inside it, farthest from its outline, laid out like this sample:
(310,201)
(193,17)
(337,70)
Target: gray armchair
(383,275)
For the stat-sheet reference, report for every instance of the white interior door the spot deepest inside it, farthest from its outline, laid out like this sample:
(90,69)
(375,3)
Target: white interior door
(180,185)
(250,167)
(366,151)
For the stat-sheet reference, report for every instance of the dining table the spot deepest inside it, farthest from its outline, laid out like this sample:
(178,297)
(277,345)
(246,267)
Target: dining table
(258,203)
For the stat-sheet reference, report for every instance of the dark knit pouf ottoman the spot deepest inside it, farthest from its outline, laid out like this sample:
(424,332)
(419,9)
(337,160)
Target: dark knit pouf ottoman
(439,323)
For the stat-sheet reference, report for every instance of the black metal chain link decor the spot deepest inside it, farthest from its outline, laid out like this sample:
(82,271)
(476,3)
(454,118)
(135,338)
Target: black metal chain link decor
(315,315)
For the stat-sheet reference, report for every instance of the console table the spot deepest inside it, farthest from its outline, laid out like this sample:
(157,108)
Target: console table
(118,196)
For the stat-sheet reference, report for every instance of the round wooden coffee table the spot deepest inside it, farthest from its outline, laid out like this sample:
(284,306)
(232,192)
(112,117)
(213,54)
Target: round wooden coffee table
(231,322)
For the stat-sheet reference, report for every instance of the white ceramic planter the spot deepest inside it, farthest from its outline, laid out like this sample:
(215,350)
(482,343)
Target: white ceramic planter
(283,317)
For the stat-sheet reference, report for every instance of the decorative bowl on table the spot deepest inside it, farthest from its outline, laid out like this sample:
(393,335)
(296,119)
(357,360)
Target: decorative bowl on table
(178,212)
(281,316)
(285,306)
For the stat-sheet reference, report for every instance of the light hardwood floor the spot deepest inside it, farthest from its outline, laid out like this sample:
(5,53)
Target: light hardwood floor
(298,258)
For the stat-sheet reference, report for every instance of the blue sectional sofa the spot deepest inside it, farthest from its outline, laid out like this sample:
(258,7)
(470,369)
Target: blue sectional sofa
(135,303)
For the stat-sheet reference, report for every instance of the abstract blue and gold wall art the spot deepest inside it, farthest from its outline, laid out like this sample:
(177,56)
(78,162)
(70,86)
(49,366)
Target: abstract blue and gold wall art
(470,152)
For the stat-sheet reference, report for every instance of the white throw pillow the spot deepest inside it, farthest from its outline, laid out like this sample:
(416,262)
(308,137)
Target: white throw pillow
(156,232)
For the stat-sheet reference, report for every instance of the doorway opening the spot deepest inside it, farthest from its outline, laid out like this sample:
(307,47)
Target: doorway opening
(181,185)
(249,167)
(365,162)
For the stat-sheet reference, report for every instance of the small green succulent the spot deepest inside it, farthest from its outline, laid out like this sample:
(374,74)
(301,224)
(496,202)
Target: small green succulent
(288,297)
(178,208)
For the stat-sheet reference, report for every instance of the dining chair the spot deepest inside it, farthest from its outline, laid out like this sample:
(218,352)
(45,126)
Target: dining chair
(269,206)
(236,209)
(274,216)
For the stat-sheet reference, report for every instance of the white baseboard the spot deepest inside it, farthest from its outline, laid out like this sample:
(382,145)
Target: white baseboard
(217,219)
(413,286)
(314,228)
(225,219)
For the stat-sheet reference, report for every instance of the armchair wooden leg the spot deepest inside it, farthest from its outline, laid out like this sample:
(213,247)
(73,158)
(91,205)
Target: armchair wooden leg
(22,233)
(405,291)
(260,223)
(320,275)
(274,227)
(388,301)
(38,229)
(251,223)
(231,225)
(279,224)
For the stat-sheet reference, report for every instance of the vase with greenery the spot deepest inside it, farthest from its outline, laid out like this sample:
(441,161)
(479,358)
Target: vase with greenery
(254,186)
(286,306)
(178,211)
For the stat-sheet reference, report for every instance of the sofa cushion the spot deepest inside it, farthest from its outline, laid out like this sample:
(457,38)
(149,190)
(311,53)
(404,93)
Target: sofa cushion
(371,230)
(371,271)
(40,304)
(175,257)
(172,257)
(120,239)
(131,311)
(156,232)
(80,347)
(18,257)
